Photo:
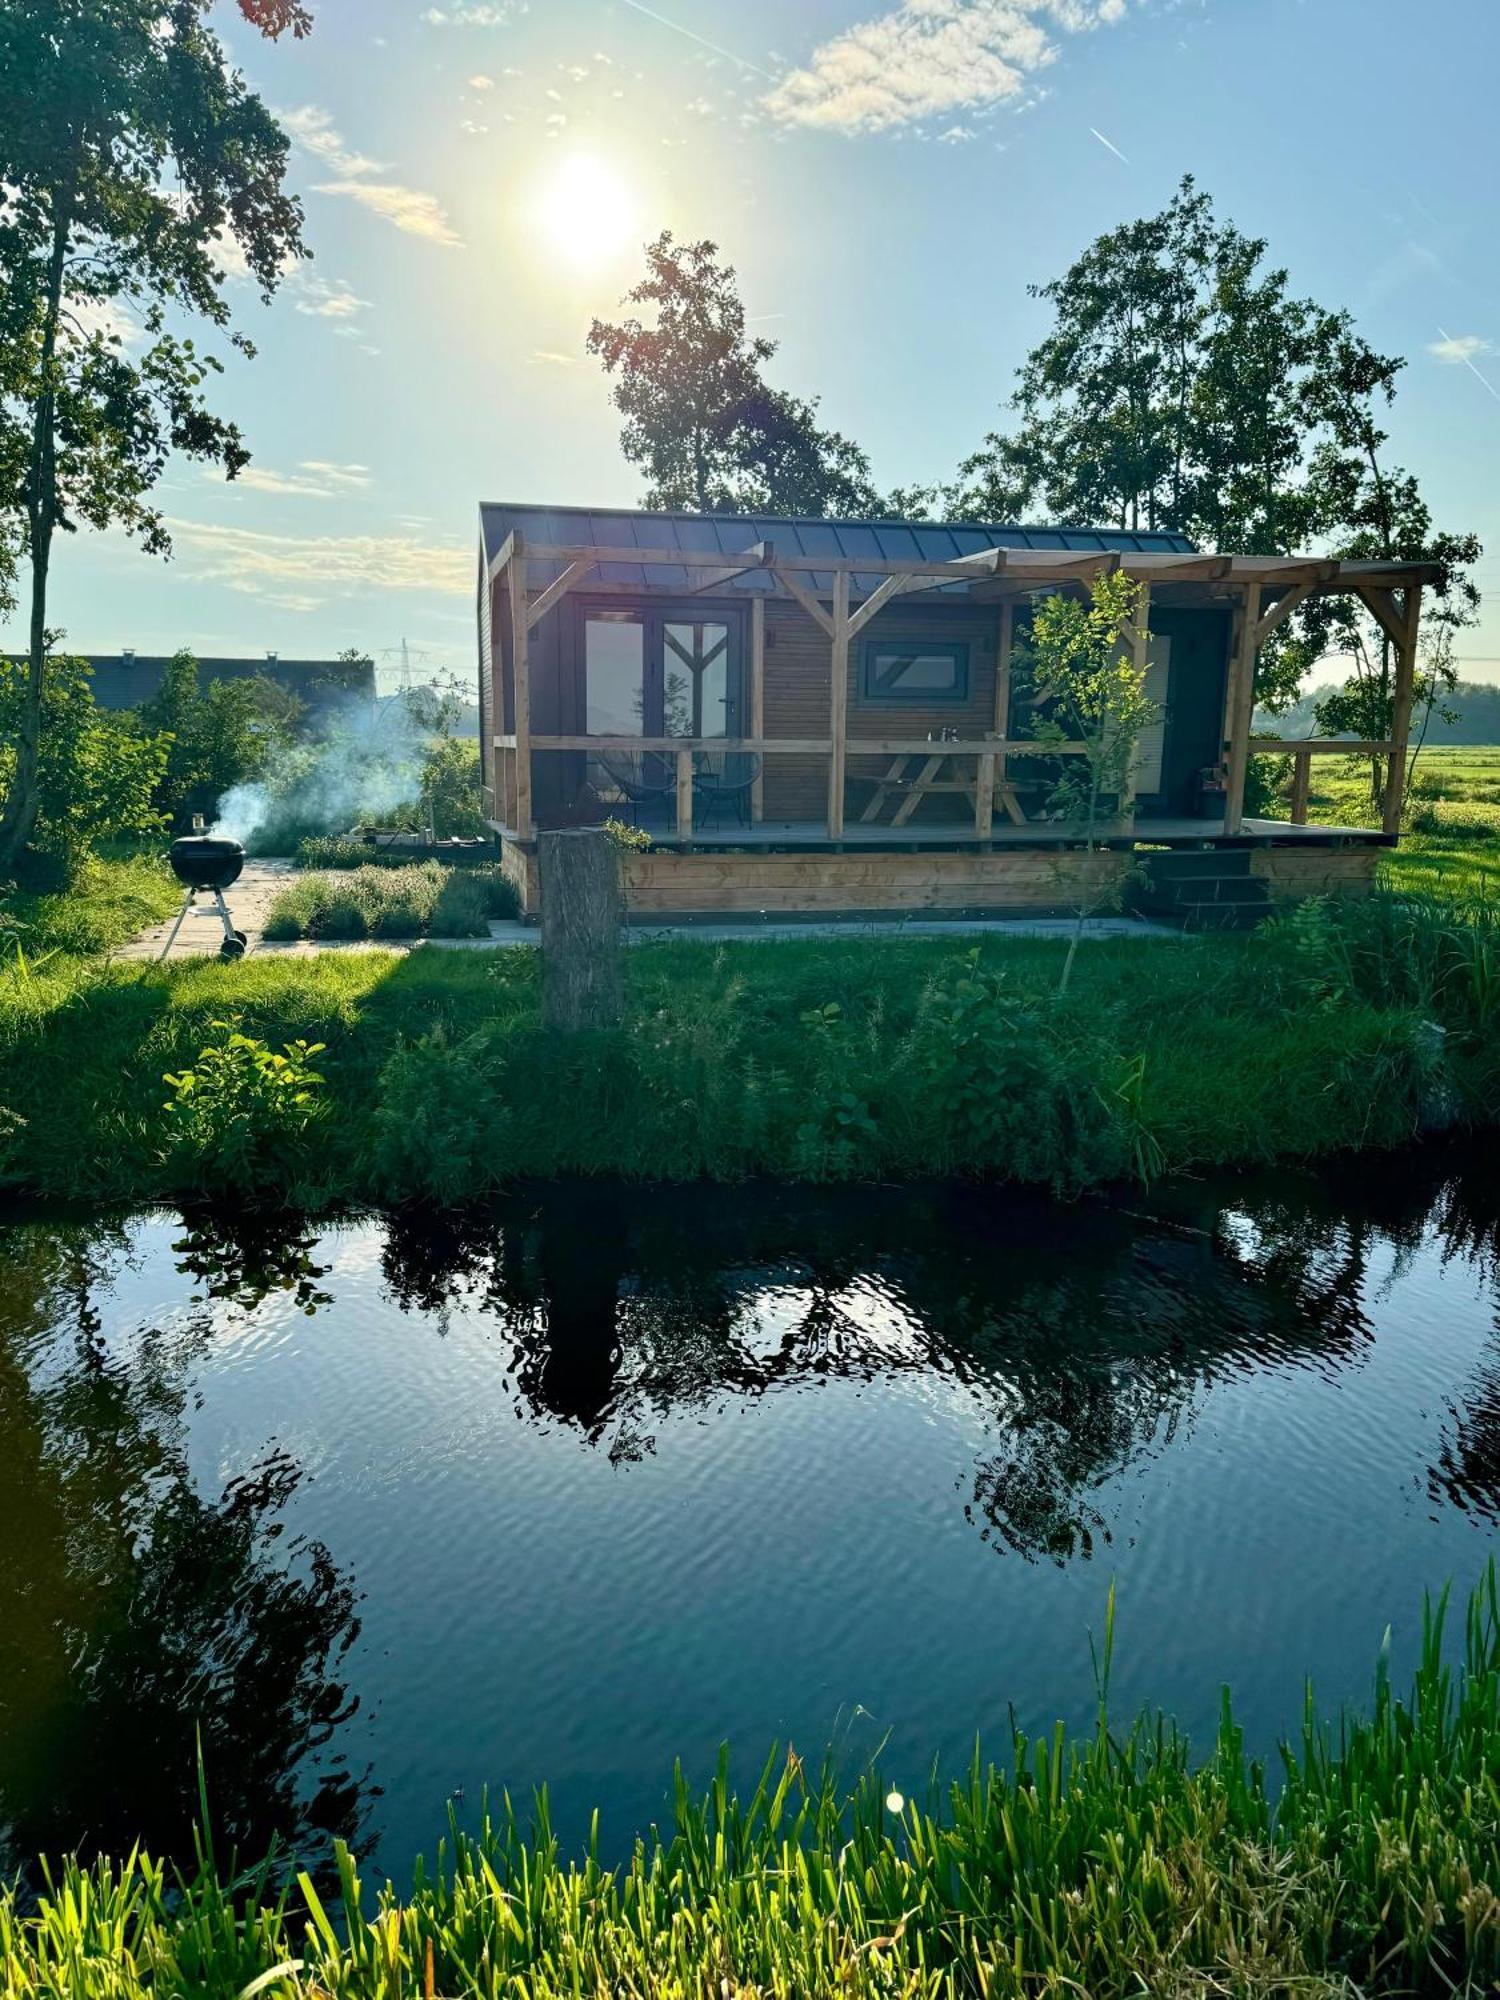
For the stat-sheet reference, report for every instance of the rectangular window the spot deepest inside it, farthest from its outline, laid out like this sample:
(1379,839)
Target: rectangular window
(614,667)
(914,670)
(695,678)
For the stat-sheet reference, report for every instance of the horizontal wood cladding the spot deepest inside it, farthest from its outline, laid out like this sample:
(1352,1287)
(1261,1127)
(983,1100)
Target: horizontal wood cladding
(665,883)
(1294,872)
(797,702)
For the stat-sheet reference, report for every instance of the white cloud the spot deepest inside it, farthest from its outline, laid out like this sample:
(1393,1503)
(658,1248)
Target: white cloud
(481,83)
(106,319)
(1458,349)
(262,564)
(315,479)
(548,357)
(957,135)
(928,58)
(408,208)
(322,298)
(475,14)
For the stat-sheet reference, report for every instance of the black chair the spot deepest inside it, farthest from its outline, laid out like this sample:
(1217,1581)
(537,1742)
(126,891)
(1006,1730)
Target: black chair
(723,781)
(644,781)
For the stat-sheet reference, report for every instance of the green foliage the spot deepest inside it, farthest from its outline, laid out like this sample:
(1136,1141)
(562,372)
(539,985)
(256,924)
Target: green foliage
(414,899)
(700,420)
(223,734)
(104,903)
(239,1115)
(97,775)
(131,150)
(452,801)
(1183,387)
(1114,1863)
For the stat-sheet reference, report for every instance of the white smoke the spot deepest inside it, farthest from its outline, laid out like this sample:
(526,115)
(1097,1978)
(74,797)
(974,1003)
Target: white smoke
(364,768)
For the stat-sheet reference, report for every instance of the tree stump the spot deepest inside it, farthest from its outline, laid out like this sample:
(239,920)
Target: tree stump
(582,908)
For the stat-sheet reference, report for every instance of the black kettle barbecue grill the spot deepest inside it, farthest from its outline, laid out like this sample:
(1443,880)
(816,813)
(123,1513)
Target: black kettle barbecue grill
(204,861)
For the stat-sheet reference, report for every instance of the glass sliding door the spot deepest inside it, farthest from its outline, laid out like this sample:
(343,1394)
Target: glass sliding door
(697,686)
(614,674)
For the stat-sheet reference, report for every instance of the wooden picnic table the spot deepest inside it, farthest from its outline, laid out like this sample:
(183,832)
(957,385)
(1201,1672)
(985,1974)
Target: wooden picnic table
(899,782)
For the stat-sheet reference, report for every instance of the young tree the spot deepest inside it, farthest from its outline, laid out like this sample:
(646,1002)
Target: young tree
(129,151)
(708,431)
(228,733)
(1090,690)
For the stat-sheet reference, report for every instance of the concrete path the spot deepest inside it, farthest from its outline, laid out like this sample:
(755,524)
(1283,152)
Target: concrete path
(251,898)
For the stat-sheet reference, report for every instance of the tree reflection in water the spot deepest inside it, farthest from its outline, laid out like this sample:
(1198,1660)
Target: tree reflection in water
(139,1616)
(1087,1335)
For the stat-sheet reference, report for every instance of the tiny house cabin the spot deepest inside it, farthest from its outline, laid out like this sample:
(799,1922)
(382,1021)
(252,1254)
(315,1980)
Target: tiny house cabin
(816,716)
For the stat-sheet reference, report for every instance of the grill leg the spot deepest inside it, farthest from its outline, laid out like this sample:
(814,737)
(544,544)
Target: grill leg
(224,916)
(187,904)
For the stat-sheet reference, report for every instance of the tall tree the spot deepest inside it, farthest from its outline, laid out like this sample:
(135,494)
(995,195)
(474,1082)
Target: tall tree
(130,153)
(1183,386)
(710,434)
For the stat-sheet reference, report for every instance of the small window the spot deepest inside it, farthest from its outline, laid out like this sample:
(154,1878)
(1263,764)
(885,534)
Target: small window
(915,670)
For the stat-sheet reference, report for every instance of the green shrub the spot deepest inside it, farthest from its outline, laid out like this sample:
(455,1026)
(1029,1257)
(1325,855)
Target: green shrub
(238,1116)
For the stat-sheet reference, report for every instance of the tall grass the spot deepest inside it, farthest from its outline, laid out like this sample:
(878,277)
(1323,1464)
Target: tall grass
(419,899)
(1343,1025)
(1110,1865)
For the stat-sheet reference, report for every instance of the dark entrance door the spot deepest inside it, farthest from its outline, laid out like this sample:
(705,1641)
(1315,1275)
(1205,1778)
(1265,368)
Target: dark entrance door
(1194,707)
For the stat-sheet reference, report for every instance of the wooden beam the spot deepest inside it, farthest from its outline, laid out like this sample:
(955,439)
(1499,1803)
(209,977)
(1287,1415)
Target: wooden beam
(1280,611)
(1406,678)
(520,664)
(758,700)
(1317,746)
(838,701)
(668,746)
(684,795)
(760,555)
(1382,606)
(558,588)
(1240,708)
(1004,643)
(882,595)
(806,599)
(500,560)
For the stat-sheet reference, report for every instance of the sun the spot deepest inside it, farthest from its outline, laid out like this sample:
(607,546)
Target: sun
(587,212)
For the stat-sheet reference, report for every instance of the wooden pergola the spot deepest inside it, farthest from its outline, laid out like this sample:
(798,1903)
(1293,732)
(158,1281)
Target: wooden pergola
(841,594)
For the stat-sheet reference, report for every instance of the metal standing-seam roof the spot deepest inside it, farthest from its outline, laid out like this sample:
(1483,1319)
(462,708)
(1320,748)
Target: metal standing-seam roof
(729,534)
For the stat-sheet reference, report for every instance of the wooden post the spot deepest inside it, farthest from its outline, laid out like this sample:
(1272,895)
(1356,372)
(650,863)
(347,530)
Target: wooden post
(758,703)
(984,796)
(1140,661)
(1301,780)
(578,872)
(838,703)
(1406,675)
(1003,646)
(684,794)
(1239,708)
(520,666)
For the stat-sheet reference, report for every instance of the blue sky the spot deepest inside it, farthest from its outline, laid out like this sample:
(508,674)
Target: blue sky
(886,177)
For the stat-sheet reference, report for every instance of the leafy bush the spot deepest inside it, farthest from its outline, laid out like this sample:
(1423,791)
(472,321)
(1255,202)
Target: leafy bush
(1019,1098)
(98,772)
(418,899)
(238,1116)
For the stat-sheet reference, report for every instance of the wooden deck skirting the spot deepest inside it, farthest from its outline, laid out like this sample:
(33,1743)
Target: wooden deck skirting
(830,599)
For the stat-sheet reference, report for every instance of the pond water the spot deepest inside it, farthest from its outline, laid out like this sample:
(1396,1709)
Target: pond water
(394,1508)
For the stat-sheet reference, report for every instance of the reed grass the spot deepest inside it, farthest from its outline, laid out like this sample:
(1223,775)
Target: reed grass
(1363,1862)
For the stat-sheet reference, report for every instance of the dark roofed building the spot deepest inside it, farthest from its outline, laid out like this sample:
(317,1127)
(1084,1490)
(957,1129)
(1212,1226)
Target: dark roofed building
(127,678)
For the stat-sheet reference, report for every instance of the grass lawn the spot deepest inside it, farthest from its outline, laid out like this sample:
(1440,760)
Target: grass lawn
(807,1058)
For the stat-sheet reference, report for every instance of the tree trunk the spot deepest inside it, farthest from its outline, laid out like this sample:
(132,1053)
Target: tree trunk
(578,872)
(19,815)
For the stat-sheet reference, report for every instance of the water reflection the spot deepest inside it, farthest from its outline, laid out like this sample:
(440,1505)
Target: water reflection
(169,1564)
(139,1617)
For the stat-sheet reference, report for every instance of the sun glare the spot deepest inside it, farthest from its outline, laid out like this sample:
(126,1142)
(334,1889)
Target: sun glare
(587,212)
